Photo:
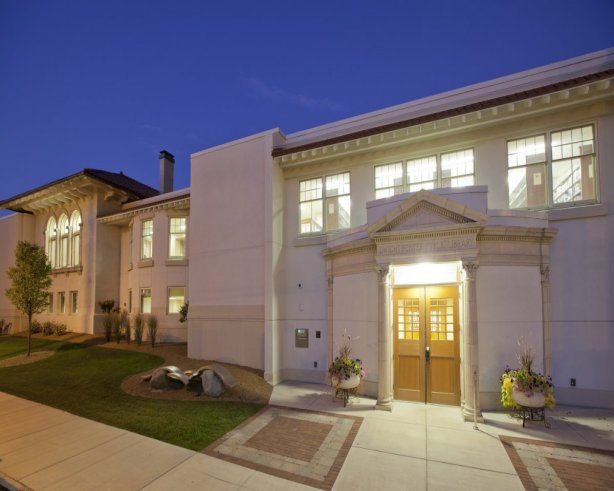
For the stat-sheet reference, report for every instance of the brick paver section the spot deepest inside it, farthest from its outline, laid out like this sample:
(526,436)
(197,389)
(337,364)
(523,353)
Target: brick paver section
(308,447)
(291,437)
(555,466)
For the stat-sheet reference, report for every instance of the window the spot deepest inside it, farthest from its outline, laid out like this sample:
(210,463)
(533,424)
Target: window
(176,238)
(73,302)
(330,194)
(130,246)
(572,168)
(526,175)
(62,302)
(75,238)
(63,231)
(176,299)
(146,239)
(50,303)
(145,300)
(130,300)
(51,241)
(450,169)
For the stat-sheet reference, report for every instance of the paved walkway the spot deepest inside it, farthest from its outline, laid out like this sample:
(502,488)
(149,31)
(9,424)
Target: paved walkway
(414,447)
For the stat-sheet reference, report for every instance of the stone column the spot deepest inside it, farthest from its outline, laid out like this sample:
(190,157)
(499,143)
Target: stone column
(545,273)
(384,338)
(470,342)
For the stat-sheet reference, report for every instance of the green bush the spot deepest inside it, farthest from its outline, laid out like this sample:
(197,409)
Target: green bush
(36,327)
(106,305)
(117,326)
(47,328)
(125,322)
(152,328)
(108,326)
(139,324)
(59,328)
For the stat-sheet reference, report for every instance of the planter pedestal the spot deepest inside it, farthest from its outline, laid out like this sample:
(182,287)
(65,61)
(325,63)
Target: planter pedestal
(532,408)
(345,387)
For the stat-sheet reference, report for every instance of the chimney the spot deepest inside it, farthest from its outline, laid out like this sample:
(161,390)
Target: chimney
(167,164)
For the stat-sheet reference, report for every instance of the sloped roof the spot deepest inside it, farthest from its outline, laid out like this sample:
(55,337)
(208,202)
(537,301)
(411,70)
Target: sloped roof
(134,188)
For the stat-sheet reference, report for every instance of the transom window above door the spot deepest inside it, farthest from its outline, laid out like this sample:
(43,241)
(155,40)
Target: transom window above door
(449,169)
(324,204)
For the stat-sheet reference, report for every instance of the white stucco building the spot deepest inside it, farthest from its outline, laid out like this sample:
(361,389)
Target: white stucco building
(434,233)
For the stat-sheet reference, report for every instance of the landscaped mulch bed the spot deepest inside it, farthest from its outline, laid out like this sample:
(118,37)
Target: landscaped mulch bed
(23,359)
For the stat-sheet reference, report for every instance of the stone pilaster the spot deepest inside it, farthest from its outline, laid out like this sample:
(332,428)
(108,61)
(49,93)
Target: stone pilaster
(470,342)
(384,337)
(545,274)
(329,317)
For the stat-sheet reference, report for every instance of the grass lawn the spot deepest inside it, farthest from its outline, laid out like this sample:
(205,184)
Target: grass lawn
(85,380)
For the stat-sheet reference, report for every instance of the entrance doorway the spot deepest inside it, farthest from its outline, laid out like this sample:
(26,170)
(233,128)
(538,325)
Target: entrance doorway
(426,348)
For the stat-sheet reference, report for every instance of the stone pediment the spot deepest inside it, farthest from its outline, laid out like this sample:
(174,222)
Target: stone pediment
(425,210)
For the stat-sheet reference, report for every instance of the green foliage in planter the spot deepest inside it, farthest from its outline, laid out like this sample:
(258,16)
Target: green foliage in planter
(183,312)
(106,305)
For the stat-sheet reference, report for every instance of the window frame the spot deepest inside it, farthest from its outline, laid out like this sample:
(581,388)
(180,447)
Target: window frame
(325,230)
(141,290)
(74,302)
(168,299)
(74,234)
(550,205)
(62,302)
(425,155)
(50,299)
(143,222)
(170,234)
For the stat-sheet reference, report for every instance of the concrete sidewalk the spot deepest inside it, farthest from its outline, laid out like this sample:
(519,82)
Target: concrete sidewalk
(415,446)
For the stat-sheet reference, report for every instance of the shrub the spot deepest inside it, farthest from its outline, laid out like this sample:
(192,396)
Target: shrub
(5,327)
(139,324)
(125,322)
(183,312)
(117,326)
(36,327)
(47,328)
(59,328)
(152,328)
(106,305)
(108,326)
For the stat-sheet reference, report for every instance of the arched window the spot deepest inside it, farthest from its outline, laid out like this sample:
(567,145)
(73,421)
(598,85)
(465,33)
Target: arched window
(75,238)
(51,241)
(63,233)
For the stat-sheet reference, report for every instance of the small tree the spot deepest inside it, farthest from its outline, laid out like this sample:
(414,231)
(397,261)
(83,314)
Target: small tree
(30,279)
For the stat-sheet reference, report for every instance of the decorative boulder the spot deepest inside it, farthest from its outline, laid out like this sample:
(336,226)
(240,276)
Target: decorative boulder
(212,384)
(166,378)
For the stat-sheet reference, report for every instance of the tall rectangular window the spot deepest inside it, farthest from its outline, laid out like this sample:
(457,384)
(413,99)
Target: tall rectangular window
(50,304)
(422,173)
(325,203)
(130,246)
(176,299)
(567,174)
(310,199)
(526,175)
(62,302)
(177,238)
(573,165)
(338,201)
(73,302)
(457,168)
(130,300)
(146,239)
(145,300)
(388,180)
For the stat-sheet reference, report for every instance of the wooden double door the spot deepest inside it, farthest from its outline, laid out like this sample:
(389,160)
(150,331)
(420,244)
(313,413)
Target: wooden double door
(426,346)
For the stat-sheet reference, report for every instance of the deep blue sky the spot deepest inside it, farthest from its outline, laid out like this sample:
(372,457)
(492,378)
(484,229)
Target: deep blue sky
(108,84)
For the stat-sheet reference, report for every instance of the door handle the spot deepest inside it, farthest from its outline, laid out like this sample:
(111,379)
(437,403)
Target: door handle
(427,354)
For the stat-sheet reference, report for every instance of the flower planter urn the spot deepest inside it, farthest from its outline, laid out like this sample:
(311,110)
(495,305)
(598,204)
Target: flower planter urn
(349,383)
(536,399)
